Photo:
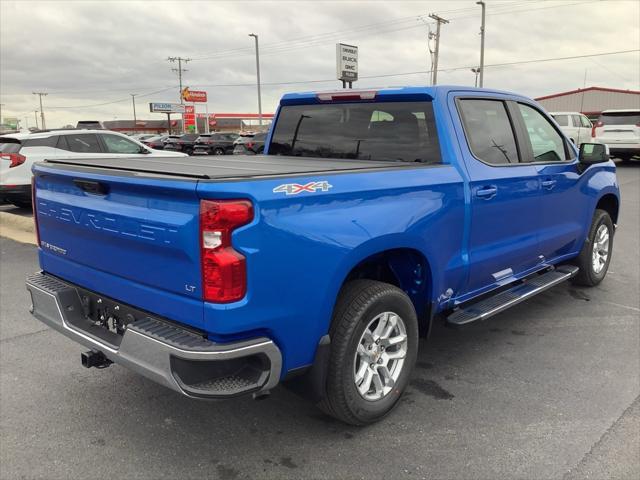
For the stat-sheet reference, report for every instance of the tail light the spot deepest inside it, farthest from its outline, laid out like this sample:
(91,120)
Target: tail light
(15,158)
(34,207)
(224,270)
(250,145)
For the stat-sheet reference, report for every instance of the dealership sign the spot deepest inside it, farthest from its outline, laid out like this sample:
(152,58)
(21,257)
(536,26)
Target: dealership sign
(346,62)
(166,107)
(193,95)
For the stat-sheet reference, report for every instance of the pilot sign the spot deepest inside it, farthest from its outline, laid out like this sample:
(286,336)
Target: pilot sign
(347,62)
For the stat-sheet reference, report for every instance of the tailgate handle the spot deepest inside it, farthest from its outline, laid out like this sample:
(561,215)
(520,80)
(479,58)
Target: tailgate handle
(92,187)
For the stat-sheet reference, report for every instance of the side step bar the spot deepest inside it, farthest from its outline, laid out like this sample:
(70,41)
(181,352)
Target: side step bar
(508,298)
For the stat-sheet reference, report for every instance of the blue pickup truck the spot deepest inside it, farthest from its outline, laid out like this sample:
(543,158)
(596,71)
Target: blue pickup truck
(371,215)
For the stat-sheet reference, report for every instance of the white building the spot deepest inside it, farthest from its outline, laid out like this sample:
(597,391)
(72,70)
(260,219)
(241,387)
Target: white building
(591,100)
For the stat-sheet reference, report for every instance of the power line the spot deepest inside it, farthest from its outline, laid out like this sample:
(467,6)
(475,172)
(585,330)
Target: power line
(112,101)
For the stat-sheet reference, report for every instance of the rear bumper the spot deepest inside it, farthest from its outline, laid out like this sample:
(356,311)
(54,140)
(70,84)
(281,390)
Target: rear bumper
(162,351)
(22,192)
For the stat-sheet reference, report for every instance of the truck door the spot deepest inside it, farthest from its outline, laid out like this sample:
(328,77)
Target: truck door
(562,205)
(505,215)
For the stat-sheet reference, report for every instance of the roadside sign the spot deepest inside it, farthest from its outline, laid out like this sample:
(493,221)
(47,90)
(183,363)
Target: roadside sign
(166,107)
(193,95)
(346,62)
(189,117)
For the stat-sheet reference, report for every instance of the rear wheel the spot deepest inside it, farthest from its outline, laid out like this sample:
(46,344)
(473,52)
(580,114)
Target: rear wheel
(218,151)
(595,256)
(374,345)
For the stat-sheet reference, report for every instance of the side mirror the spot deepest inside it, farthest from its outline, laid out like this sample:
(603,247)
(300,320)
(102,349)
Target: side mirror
(144,150)
(591,153)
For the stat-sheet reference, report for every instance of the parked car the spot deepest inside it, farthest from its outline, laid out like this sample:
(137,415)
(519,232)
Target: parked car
(142,136)
(575,125)
(372,214)
(19,151)
(89,125)
(250,145)
(620,130)
(183,143)
(157,142)
(215,144)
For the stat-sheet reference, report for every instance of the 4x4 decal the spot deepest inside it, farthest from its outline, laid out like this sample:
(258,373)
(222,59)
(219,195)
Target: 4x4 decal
(295,188)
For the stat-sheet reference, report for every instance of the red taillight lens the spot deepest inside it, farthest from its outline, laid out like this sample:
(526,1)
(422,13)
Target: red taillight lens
(15,158)
(224,270)
(249,144)
(34,207)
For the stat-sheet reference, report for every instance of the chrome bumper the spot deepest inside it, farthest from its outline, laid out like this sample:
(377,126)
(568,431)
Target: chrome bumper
(174,357)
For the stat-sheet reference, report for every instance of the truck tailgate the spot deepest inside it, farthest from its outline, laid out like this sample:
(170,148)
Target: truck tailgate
(134,240)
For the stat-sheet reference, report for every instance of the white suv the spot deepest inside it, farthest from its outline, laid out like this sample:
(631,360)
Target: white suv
(574,125)
(620,130)
(18,152)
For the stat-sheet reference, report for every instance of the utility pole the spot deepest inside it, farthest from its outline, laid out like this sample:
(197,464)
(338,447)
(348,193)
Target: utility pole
(40,94)
(482,4)
(133,100)
(35,114)
(1,105)
(258,74)
(439,21)
(180,60)
(180,69)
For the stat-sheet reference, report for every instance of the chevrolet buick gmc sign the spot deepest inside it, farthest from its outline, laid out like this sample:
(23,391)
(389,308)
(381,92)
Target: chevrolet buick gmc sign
(166,107)
(347,62)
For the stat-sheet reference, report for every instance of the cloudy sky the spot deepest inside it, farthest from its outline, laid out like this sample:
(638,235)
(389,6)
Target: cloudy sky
(90,55)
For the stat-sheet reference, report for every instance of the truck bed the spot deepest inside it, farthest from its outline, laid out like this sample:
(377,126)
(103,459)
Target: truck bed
(226,168)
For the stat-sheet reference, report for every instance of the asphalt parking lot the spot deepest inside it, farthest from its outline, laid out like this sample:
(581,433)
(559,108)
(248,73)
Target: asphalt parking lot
(547,390)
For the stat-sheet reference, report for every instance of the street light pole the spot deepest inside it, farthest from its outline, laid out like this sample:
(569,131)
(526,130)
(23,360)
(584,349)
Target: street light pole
(476,71)
(482,4)
(133,100)
(258,75)
(40,94)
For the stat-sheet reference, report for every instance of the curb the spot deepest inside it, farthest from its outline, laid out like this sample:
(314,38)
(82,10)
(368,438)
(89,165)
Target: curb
(17,222)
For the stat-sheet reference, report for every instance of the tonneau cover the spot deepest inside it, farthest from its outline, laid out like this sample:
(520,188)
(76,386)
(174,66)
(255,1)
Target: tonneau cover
(229,167)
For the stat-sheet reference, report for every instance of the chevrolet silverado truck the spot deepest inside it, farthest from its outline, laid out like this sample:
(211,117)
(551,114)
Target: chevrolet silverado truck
(372,214)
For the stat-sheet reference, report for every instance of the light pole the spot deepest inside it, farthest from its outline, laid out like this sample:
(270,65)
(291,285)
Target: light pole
(481,3)
(35,114)
(258,74)
(133,100)
(476,71)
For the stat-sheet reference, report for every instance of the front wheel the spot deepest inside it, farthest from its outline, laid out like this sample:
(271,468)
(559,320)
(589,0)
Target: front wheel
(595,256)
(374,345)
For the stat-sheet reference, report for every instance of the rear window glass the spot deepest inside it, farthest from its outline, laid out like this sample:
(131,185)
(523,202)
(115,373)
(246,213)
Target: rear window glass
(390,131)
(620,118)
(9,145)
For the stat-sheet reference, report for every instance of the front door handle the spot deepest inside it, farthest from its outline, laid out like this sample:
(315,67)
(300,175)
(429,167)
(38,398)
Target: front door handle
(487,192)
(548,184)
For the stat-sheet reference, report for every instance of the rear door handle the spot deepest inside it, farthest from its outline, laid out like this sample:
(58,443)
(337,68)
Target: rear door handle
(487,192)
(548,184)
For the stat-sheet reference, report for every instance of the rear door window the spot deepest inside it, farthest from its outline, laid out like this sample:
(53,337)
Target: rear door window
(82,143)
(562,120)
(488,130)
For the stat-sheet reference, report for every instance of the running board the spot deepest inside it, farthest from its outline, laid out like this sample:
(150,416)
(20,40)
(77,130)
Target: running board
(508,298)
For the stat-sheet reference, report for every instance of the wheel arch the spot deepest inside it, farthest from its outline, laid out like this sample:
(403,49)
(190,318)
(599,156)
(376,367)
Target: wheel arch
(405,267)
(610,204)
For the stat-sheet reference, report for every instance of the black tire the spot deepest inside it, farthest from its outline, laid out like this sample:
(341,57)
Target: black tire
(587,276)
(359,303)
(218,151)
